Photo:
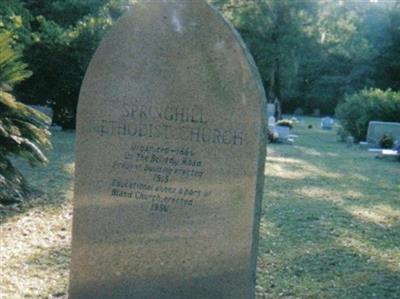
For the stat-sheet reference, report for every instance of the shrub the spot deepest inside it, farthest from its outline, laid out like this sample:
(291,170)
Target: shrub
(60,55)
(368,105)
(386,142)
(342,133)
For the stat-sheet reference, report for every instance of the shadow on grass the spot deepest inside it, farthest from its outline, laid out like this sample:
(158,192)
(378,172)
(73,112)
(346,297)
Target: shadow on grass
(315,249)
(52,263)
(51,259)
(330,226)
(342,273)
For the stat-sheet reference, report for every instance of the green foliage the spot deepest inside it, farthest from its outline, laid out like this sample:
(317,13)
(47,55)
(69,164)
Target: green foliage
(12,70)
(387,141)
(342,133)
(68,33)
(311,53)
(388,62)
(22,129)
(368,105)
(65,13)
(276,33)
(15,19)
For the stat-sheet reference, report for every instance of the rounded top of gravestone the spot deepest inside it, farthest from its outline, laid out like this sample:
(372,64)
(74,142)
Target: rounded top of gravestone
(183,44)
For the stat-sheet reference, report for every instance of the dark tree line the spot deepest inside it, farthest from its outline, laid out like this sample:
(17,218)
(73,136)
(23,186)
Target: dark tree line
(310,53)
(57,39)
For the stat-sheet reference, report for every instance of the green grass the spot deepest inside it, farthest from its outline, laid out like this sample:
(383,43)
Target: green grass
(330,226)
(330,223)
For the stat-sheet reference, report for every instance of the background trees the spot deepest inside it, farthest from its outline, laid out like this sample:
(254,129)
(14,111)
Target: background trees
(57,38)
(310,53)
(358,109)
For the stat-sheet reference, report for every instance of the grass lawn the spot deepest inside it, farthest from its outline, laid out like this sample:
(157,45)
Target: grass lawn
(330,224)
(331,221)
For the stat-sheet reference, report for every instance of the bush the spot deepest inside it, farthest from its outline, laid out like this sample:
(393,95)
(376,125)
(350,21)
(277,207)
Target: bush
(386,142)
(342,133)
(65,34)
(368,105)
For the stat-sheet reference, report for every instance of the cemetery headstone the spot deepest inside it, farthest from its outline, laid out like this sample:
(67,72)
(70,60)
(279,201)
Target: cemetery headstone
(270,110)
(376,130)
(170,159)
(316,112)
(271,121)
(327,123)
(294,119)
(298,112)
(349,141)
(283,132)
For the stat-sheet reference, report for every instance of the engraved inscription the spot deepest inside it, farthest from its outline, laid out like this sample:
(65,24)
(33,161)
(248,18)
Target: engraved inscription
(163,165)
(167,123)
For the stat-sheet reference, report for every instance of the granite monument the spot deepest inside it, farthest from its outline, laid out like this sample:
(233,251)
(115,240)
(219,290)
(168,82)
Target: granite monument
(376,130)
(170,158)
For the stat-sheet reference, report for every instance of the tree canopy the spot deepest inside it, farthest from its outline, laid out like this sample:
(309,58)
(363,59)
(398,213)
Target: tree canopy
(310,54)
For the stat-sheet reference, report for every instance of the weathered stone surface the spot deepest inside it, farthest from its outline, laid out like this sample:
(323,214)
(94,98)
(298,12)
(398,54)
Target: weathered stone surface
(376,130)
(170,159)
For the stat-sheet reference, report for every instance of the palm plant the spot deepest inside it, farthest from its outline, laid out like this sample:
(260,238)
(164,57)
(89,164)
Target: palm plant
(23,130)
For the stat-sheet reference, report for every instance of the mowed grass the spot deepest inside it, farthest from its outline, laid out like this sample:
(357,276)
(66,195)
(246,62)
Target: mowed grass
(330,224)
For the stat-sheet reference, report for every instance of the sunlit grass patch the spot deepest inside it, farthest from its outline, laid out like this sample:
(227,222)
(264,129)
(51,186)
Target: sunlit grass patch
(320,193)
(330,224)
(389,258)
(290,168)
(333,212)
(379,214)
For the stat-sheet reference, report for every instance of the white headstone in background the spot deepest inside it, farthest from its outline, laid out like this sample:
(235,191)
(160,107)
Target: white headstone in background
(270,110)
(327,123)
(283,132)
(271,121)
